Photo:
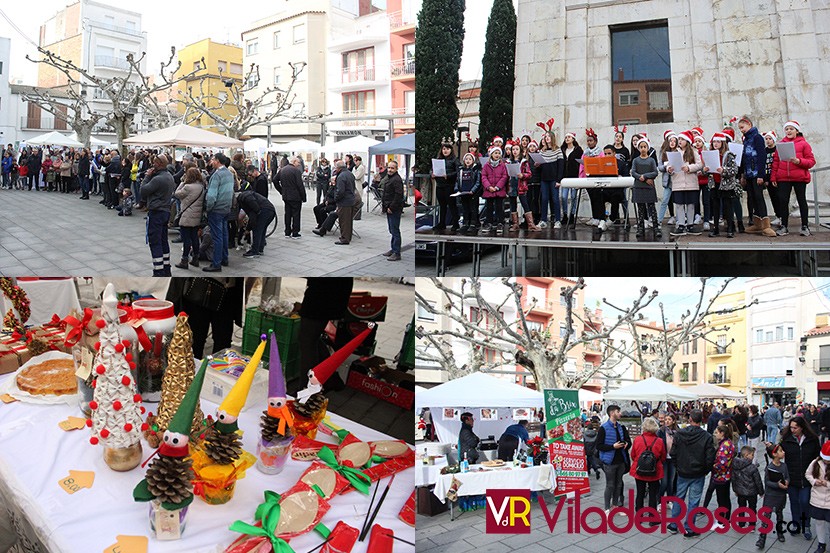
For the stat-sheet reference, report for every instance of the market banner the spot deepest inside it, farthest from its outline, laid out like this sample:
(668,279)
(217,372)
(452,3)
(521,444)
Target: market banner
(563,432)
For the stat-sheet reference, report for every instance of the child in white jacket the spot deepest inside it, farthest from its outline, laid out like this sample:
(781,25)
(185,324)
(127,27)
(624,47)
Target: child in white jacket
(817,474)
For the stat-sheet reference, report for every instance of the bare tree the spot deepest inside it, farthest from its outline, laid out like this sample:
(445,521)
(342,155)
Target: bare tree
(126,93)
(543,353)
(76,113)
(240,108)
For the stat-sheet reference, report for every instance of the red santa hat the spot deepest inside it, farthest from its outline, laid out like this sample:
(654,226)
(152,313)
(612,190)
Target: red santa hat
(534,143)
(687,136)
(772,135)
(730,133)
(793,124)
(825,451)
(492,149)
(720,137)
(668,134)
(572,135)
(697,131)
(640,141)
(498,138)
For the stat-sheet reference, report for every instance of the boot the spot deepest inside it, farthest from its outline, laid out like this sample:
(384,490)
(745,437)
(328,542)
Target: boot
(715,229)
(658,233)
(530,225)
(765,228)
(762,541)
(514,222)
(741,228)
(194,260)
(182,264)
(756,227)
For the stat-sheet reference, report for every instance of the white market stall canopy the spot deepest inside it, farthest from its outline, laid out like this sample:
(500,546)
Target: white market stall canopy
(184,135)
(650,389)
(710,391)
(92,140)
(353,145)
(54,138)
(473,393)
(255,145)
(300,145)
(587,396)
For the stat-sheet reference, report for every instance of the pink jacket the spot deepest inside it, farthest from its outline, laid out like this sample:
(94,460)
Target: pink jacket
(787,171)
(687,181)
(494,176)
(819,495)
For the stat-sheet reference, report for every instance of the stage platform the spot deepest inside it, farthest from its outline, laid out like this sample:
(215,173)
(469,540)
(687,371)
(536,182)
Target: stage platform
(562,251)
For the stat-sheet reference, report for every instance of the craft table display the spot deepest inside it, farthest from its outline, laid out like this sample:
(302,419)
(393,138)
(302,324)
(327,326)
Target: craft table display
(36,455)
(47,297)
(536,478)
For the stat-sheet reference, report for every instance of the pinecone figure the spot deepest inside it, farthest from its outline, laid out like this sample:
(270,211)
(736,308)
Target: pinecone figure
(223,449)
(270,428)
(168,478)
(315,403)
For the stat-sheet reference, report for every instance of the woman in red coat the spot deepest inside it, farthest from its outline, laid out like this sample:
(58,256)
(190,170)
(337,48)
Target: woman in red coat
(793,175)
(648,440)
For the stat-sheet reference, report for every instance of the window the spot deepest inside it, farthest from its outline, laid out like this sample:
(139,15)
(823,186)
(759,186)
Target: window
(1,67)
(236,68)
(779,333)
(563,330)
(299,33)
(721,341)
(684,373)
(223,96)
(130,25)
(790,333)
(277,72)
(759,336)
(685,348)
(536,293)
(824,358)
(641,73)
(223,66)
(694,371)
(768,336)
(197,65)
(629,98)
(694,346)
(359,103)
(359,65)
(276,40)
(629,122)
(252,47)
(424,314)
(534,326)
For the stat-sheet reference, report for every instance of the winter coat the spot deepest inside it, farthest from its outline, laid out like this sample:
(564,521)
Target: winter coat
(753,162)
(345,195)
(787,171)
(713,421)
(755,423)
(693,451)
(467,444)
(746,478)
(607,436)
(34,163)
(740,422)
(589,440)
(7,165)
(641,443)
(157,190)
(798,457)
(219,195)
(359,173)
(775,496)
(702,178)
(66,169)
(255,205)
(518,185)
(726,182)
(192,196)
(572,164)
(260,185)
(469,180)
(392,198)
(819,495)
(451,165)
(83,166)
(496,177)
(722,467)
(681,181)
(664,433)
(114,166)
(323,174)
(289,183)
(643,192)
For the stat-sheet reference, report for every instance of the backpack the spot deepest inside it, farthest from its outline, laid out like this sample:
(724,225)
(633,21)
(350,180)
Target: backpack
(647,461)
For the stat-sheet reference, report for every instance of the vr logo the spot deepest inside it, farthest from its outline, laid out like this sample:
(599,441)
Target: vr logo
(508,512)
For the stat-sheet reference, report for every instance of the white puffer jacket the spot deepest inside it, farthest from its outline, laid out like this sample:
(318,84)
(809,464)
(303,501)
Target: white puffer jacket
(687,181)
(819,495)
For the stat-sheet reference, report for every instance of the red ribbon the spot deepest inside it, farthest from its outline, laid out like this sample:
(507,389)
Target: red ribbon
(74,336)
(136,314)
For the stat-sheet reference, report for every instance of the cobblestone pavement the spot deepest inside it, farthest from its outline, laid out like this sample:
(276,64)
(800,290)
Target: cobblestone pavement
(47,233)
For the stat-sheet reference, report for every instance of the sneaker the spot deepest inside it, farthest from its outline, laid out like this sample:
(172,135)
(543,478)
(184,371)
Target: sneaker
(394,257)
(775,222)
(249,253)
(672,528)
(805,231)
(603,225)
(607,511)
(717,526)
(782,231)
(592,222)
(808,535)
(296,236)
(648,224)
(693,231)
(679,231)
(387,254)
(543,224)
(781,538)
(706,226)
(557,225)
(288,237)
(697,219)
(672,221)
(691,535)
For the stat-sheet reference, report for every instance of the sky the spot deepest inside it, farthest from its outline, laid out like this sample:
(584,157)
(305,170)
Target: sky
(167,24)
(475,27)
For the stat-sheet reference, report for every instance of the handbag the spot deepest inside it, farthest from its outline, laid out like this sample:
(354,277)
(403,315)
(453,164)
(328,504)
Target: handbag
(205,292)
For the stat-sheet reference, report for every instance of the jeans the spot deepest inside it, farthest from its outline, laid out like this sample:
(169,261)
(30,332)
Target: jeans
(572,193)
(136,188)
(7,180)
(157,239)
(494,210)
(550,198)
(219,232)
(668,484)
(664,203)
(190,242)
(772,434)
(263,220)
(692,486)
(393,221)
(84,186)
(800,504)
(613,484)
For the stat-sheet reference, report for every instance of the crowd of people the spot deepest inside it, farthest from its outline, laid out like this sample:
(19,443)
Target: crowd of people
(218,203)
(698,198)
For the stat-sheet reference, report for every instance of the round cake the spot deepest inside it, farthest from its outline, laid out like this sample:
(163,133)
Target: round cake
(52,377)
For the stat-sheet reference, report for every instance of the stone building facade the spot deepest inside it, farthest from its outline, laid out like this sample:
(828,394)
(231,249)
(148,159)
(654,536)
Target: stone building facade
(769,58)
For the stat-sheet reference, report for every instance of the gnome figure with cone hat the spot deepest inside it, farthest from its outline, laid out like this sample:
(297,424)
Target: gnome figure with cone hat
(277,421)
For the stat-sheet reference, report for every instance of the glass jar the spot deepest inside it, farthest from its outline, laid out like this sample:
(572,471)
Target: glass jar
(306,419)
(159,323)
(271,456)
(216,495)
(163,522)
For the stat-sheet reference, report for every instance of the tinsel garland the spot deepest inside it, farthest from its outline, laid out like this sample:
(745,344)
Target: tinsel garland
(20,302)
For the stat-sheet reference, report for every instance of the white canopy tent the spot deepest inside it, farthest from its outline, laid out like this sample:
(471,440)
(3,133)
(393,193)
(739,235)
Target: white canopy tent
(255,145)
(473,393)
(184,135)
(353,145)
(650,389)
(710,391)
(54,138)
(92,140)
(587,396)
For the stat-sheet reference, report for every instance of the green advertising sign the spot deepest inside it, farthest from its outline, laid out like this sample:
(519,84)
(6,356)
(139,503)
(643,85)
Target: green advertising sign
(561,407)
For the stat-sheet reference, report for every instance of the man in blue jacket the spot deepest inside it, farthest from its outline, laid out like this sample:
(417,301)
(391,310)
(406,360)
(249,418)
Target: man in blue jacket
(613,443)
(218,205)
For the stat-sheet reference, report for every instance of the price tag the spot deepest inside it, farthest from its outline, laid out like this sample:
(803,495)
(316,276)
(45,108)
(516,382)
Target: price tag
(6,398)
(72,423)
(85,366)
(168,526)
(77,480)
(137,323)
(128,544)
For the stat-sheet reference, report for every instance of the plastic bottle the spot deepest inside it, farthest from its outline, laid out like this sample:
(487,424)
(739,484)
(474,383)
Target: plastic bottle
(425,459)
(465,464)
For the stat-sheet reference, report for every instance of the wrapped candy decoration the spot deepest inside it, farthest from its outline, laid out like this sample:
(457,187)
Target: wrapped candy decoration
(221,461)
(306,449)
(310,406)
(168,483)
(277,421)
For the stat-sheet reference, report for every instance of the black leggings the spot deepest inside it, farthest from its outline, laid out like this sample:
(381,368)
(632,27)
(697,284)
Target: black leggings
(800,189)
(445,202)
(534,199)
(469,210)
(722,204)
(597,204)
(722,492)
(653,491)
(755,199)
(494,210)
(514,204)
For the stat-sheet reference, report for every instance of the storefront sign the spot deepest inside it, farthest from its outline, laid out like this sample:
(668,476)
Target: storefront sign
(563,432)
(769,382)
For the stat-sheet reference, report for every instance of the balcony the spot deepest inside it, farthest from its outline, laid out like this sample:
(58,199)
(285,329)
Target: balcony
(403,121)
(363,123)
(115,28)
(358,74)
(400,20)
(821,366)
(591,347)
(112,62)
(42,123)
(718,378)
(719,350)
(403,69)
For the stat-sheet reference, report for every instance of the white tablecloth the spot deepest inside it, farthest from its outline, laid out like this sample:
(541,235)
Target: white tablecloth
(427,475)
(46,297)
(535,478)
(35,454)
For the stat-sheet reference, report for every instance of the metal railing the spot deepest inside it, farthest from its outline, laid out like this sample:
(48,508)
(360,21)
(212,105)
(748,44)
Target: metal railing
(403,68)
(359,122)
(400,19)
(720,379)
(112,62)
(719,350)
(359,74)
(115,28)
(815,201)
(403,120)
